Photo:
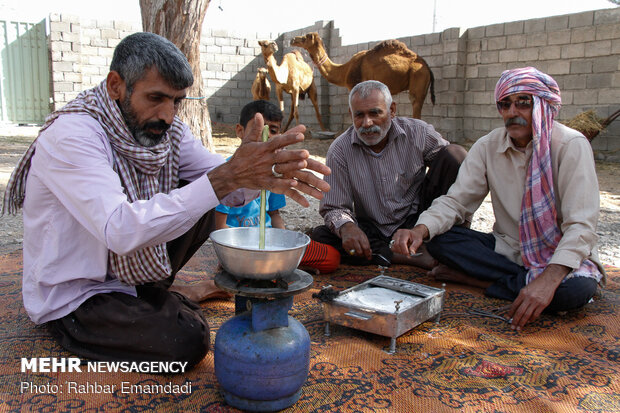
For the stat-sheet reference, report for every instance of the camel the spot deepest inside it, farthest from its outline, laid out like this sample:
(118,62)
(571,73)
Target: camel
(261,88)
(294,76)
(389,62)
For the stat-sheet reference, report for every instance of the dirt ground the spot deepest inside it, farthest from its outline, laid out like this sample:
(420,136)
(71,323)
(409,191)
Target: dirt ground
(303,219)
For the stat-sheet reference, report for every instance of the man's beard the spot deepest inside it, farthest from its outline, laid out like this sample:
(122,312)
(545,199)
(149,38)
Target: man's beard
(376,129)
(138,131)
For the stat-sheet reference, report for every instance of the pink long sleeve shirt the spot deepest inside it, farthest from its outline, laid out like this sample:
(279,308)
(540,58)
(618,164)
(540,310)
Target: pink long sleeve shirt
(75,211)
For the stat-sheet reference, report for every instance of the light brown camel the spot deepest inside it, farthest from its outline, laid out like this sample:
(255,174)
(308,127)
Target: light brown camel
(389,62)
(294,76)
(261,88)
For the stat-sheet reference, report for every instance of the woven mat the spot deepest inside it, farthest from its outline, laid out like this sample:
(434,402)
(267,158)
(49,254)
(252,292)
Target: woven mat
(560,363)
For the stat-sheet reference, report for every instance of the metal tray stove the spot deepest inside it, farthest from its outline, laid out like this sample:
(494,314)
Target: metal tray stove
(385,306)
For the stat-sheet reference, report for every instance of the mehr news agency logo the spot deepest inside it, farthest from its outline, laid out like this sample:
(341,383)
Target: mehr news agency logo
(75,365)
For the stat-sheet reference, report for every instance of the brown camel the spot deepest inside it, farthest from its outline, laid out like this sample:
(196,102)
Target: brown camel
(293,76)
(389,62)
(261,88)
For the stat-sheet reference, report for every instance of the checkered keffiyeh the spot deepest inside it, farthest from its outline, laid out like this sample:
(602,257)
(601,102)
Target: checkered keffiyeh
(143,173)
(539,233)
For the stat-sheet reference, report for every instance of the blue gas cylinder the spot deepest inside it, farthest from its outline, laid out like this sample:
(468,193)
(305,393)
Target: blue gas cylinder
(262,365)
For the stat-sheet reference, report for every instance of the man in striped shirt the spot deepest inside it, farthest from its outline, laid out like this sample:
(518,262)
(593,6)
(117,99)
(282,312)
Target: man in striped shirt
(379,181)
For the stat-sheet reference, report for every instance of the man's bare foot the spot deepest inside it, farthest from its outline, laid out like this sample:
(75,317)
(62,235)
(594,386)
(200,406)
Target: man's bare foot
(444,273)
(201,291)
(425,260)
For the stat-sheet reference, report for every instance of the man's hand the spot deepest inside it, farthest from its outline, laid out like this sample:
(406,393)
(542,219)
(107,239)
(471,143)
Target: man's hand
(407,241)
(355,241)
(536,296)
(251,166)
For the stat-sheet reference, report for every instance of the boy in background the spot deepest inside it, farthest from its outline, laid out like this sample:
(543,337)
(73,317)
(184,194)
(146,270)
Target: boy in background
(248,215)
(321,258)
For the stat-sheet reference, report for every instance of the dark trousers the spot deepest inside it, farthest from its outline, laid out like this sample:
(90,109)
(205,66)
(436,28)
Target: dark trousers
(473,253)
(440,176)
(157,325)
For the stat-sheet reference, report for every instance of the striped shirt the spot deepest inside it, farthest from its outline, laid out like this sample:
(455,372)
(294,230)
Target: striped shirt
(383,187)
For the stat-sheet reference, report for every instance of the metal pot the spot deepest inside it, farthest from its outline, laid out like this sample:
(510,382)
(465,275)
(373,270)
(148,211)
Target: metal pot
(238,252)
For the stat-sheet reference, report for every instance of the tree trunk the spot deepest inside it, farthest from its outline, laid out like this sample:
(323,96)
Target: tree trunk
(180,21)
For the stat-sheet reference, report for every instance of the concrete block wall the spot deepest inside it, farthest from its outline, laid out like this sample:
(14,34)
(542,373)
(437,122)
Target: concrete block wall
(581,51)
(229,63)
(81,53)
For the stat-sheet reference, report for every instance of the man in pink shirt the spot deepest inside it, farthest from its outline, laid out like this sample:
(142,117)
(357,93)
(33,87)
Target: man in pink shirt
(117,195)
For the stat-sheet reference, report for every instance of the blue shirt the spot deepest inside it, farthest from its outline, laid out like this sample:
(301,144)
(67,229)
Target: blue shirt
(248,215)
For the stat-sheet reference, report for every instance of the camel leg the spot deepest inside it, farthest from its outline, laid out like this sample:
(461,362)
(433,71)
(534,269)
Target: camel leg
(312,94)
(416,106)
(281,101)
(279,95)
(294,103)
(416,97)
(419,82)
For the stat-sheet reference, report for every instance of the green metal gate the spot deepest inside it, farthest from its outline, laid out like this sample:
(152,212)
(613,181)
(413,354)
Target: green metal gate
(24,72)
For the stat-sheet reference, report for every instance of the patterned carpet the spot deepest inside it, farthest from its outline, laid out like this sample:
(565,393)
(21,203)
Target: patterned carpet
(465,363)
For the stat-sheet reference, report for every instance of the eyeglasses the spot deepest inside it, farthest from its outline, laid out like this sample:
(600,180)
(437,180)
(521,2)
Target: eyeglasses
(503,105)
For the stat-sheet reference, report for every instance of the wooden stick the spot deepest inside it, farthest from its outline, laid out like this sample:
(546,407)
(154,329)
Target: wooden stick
(263,202)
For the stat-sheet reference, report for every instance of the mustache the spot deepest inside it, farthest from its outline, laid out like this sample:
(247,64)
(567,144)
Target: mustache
(517,120)
(372,129)
(159,124)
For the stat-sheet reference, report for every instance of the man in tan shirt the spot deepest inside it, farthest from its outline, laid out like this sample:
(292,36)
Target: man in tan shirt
(542,252)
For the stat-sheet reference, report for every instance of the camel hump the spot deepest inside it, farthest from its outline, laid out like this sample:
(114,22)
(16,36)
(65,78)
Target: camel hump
(394,47)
